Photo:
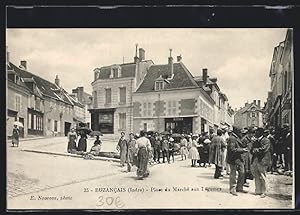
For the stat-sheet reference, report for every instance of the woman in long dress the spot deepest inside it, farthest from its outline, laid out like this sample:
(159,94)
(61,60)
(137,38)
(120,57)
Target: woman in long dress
(193,152)
(82,143)
(122,147)
(96,148)
(144,147)
(183,148)
(132,152)
(72,138)
(15,136)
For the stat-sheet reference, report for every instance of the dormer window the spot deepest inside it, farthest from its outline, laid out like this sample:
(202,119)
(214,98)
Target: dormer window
(115,72)
(159,85)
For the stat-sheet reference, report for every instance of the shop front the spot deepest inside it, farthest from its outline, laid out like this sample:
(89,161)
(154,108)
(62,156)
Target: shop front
(179,125)
(103,120)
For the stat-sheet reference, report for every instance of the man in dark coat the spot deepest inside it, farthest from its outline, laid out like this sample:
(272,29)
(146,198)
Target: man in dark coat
(261,160)
(218,145)
(165,149)
(273,149)
(247,143)
(157,148)
(235,150)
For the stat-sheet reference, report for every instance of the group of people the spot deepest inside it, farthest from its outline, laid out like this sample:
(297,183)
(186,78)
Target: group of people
(250,153)
(81,146)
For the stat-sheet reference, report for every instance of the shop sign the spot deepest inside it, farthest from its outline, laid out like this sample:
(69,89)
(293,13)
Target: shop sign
(178,119)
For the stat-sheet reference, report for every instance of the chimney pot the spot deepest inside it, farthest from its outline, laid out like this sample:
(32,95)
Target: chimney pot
(254,101)
(170,63)
(24,64)
(57,80)
(141,54)
(258,103)
(204,75)
(179,58)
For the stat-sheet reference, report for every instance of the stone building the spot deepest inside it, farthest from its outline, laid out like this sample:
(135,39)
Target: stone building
(279,103)
(46,108)
(113,85)
(171,99)
(84,103)
(249,115)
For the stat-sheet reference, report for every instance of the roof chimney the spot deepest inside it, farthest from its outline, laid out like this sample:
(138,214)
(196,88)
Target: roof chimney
(170,63)
(254,101)
(24,64)
(136,58)
(204,75)
(141,54)
(57,80)
(179,58)
(258,103)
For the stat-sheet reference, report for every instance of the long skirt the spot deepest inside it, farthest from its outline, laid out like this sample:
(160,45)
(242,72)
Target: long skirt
(82,145)
(183,150)
(15,140)
(194,154)
(71,145)
(142,163)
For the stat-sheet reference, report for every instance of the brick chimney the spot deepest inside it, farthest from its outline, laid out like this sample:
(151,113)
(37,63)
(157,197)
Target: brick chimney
(204,75)
(179,58)
(254,101)
(57,80)
(136,58)
(141,54)
(258,103)
(80,94)
(24,64)
(170,63)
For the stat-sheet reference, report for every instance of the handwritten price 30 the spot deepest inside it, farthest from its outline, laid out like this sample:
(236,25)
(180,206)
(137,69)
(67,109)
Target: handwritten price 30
(110,201)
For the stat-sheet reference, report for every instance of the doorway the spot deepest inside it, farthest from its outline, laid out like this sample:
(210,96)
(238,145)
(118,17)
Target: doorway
(67,128)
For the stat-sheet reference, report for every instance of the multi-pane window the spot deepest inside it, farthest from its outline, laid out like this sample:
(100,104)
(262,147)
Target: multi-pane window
(29,121)
(107,96)
(55,125)
(115,72)
(123,95)
(122,121)
(171,108)
(159,85)
(18,102)
(147,109)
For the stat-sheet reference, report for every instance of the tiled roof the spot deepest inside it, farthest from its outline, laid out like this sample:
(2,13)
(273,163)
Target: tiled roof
(127,70)
(47,88)
(182,77)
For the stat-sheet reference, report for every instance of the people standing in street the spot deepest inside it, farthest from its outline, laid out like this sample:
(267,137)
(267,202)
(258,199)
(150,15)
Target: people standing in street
(144,146)
(131,152)
(165,149)
(273,150)
(247,143)
(157,148)
(122,147)
(72,139)
(236,160)
(183,148)
(193,152)
(287,142)
(260,161)
(218,145)
(82,143)
(211,135)
(206,146)
(15,136)
(171,149)
(225,137)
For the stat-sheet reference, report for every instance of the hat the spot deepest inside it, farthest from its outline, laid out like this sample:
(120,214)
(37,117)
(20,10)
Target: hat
(267,131)
(244,131)
(171,139)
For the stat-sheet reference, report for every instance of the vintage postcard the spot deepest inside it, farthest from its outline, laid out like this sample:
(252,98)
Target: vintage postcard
(149,118)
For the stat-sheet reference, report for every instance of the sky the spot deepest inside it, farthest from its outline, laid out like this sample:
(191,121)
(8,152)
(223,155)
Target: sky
(239,58)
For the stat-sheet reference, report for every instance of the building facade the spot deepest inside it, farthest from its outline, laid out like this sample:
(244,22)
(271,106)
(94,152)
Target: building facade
(112,108)
(43,107)
(171,99)
(251,115)
(279,102)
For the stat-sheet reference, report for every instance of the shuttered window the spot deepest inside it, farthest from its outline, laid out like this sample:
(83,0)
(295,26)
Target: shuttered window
(123,95)
(108,96)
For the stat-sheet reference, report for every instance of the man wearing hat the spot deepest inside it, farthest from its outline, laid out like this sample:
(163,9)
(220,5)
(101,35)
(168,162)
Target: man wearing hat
(261,160)
(246,156)
(236,162)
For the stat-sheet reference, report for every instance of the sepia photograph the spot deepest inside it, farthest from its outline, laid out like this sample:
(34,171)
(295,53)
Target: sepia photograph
(150,118)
